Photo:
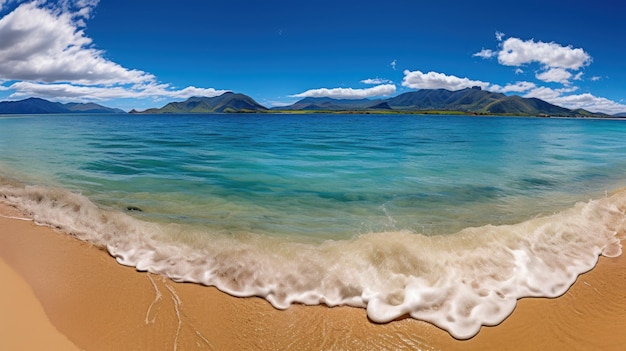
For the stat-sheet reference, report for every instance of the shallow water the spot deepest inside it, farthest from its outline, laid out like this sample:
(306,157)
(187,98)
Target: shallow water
(449,219)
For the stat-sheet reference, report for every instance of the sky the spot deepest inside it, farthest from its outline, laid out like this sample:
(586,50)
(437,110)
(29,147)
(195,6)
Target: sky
(145,53)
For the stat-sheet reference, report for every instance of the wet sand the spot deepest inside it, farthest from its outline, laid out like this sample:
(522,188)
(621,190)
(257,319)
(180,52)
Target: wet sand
(100,305)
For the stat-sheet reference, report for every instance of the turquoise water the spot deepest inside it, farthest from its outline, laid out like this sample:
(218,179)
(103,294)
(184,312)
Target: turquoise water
(324,176)
(364,187)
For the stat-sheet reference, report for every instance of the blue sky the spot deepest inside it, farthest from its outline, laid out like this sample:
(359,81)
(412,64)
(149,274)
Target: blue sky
(141,54)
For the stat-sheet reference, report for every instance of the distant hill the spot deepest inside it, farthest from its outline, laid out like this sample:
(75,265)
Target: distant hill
(623,114)
(579,112)
(225,103)
(41,106)
(330,104)
(469,100)
(522,106)
(91,108)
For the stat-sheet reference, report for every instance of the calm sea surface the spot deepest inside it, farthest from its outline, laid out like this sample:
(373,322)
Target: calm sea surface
(307,179)
(320,175)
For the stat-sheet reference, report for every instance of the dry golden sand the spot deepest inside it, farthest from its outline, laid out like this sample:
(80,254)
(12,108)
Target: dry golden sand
(100,305)
(21,314)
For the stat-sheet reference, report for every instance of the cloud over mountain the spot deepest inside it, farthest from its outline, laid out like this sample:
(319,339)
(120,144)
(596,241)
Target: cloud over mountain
(46,52)
(349,93)
(517,87)
(436,80)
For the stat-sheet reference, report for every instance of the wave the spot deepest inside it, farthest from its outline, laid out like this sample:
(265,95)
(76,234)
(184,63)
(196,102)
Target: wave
(458,282)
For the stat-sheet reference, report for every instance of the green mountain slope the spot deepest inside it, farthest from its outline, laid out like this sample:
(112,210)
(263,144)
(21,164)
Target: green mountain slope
(522,106)
(441,99)
(225,103)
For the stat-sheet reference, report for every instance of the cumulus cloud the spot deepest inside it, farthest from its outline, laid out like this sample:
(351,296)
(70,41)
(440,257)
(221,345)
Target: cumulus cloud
(517,52)
(485,53)
(556,75)
(519,70)
(595,78)
(71,92)
(40,44)
(585,101)
(376,81)
(510,88)
(349,93)
(44,49)
(435,80)
(393,64)
(557,62)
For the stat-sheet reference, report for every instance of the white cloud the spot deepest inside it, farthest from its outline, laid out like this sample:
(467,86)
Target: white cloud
(519,71)
(71,92)
(485,53)
(549,94)
(349,93)
(586,101)
(516,52)
(595,78)
(557,61)
(509,88)
(40,44)
(393,64)
(376,81)
(45,49)
(435,80)
(557,75)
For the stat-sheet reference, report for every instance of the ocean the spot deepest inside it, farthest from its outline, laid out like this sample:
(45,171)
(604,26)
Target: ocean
(447,219)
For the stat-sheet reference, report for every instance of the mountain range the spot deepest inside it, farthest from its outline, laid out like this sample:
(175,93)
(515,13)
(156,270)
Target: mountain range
(41,106)
(469,101)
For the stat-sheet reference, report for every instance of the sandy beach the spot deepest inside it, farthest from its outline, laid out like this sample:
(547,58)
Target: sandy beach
(22,314)
(96,304)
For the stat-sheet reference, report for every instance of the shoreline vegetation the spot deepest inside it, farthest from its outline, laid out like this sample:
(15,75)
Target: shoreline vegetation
(101,305)
(412,112)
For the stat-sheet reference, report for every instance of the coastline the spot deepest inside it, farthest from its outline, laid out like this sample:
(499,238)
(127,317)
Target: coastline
(100,305)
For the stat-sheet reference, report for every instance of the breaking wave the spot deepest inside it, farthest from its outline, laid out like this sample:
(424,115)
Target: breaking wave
(458,282)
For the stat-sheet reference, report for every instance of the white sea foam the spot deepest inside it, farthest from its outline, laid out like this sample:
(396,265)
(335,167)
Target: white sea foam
(458,282)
